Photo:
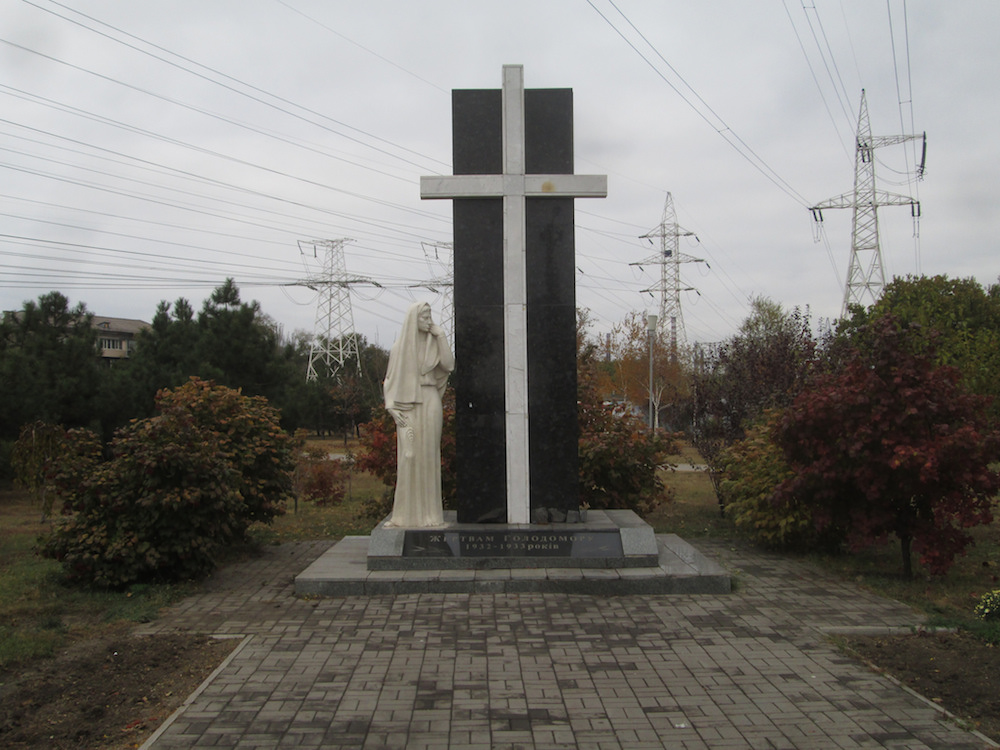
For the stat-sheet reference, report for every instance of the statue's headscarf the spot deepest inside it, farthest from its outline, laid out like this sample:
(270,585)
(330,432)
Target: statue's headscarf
(413,355)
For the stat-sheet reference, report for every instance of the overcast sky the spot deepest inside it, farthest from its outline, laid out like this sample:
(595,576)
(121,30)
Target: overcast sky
(150,149)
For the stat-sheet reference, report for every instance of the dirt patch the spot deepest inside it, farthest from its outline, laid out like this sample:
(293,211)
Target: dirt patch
(955,670)
(110,692)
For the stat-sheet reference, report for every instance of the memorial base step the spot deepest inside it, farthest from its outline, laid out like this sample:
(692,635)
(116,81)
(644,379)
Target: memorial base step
(681,569)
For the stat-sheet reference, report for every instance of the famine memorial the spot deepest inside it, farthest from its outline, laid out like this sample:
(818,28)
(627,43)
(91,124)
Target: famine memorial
(518,526)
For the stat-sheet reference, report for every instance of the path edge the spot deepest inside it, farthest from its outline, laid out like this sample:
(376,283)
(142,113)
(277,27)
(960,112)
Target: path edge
(179,711)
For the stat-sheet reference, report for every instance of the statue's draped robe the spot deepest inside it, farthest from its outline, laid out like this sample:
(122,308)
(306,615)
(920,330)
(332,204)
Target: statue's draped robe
(419,365)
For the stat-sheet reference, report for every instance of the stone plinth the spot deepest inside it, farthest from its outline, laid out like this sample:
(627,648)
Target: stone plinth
(613,553)
(681,569)
(607,539)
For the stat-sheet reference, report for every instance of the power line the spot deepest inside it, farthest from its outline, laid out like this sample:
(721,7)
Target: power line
(201,197)
(719,125)
(135,219)
(226,86)
(601,276)
(226,157)
(914,184)
(362,47)
(812,73)
(829,60)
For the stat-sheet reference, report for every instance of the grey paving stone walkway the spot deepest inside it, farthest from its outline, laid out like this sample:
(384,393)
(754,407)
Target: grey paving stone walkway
(751,669)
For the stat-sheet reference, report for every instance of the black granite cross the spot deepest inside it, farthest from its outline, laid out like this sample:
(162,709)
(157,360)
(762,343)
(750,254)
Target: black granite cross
(515,298)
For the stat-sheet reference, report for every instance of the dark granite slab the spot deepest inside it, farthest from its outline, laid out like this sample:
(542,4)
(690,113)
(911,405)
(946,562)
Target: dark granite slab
(607,539)
(550,311)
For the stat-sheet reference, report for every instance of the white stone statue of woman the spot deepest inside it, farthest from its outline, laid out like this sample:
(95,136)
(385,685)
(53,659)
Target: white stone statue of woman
(419,364)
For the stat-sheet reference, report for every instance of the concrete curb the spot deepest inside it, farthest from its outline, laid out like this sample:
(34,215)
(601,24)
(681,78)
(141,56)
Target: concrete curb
(151,740)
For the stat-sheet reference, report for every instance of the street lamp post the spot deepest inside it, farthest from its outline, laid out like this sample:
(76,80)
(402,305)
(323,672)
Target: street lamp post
(651,330)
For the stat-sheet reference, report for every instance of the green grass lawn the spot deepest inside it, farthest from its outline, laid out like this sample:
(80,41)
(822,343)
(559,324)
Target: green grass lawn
(39,613)
(310,521)
(693,510)
(949,600)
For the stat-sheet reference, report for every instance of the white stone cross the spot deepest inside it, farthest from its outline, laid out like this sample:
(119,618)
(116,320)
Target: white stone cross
(514,186)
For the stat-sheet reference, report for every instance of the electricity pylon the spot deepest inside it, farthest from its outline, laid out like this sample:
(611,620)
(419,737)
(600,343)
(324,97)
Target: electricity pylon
(334,341)
(669,259)
(866,271)
(444,286)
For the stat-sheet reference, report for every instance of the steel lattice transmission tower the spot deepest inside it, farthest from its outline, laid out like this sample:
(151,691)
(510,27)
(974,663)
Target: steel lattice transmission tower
(669,258)
(334,341)
(444,286)
(866,271)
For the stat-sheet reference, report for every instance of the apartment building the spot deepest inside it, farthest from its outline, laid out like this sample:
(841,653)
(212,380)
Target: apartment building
(116,337)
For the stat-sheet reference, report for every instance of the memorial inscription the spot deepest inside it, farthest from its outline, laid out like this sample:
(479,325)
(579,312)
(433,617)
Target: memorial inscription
(515,543)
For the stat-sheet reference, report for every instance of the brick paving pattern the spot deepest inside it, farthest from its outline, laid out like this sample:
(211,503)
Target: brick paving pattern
(752,669)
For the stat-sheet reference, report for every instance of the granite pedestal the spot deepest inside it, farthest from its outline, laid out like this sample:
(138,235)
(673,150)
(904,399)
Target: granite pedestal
(607,539)
(612,553)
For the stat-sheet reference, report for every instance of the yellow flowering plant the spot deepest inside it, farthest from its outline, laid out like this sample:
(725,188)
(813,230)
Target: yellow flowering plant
(989,606)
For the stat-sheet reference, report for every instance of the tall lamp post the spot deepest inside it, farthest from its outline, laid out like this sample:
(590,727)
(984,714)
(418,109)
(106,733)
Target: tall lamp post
(651,330)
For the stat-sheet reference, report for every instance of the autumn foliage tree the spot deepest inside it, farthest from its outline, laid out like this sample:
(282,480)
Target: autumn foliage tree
(964,316)
(318,478)
(750,469)
(892,444)
(619,455)
(762,367)
(248,433)
(630,353)
(47,457)
(177,488)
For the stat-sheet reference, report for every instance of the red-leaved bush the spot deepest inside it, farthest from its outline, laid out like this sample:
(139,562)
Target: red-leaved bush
(892,444)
